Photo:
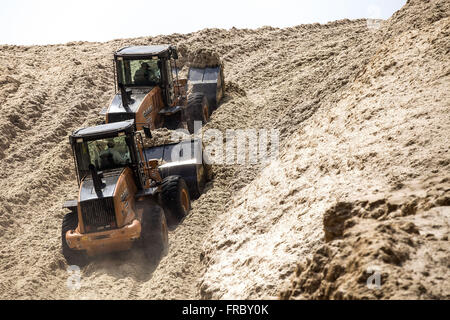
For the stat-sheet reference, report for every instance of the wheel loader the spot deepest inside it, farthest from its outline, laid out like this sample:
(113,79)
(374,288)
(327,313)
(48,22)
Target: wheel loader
(128,194)
(149,91)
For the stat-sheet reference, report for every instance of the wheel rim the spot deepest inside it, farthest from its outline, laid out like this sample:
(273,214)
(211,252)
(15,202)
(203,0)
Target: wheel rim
(184,200)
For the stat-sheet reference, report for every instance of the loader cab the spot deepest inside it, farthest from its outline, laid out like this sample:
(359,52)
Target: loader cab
(108,148)
(144,67)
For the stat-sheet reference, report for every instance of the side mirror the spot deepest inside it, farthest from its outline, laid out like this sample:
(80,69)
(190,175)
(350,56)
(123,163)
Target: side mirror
(147,132)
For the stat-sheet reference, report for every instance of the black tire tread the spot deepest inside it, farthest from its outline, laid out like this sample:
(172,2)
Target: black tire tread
(73,257)
(194,109)
(152,238)
(200,185)
(170,190)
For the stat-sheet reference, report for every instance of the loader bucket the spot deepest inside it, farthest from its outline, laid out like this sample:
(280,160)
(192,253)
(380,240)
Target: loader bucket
(183,159)
(209,81)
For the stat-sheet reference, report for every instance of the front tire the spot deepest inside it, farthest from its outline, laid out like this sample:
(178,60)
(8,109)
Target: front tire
(154,234)
(73,257)
(175,199)
(197,109)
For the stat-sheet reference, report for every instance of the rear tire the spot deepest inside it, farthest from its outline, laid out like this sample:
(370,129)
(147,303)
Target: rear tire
(154,234)
(197,109)
(73,257)
(175,199)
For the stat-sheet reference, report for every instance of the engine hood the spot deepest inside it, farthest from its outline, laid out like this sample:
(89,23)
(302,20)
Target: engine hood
(137,97)
(87,190)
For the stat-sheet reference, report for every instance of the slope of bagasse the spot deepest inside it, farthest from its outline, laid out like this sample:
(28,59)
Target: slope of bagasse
(361,181)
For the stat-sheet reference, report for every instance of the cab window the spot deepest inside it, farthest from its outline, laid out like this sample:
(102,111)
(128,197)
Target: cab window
(139,72)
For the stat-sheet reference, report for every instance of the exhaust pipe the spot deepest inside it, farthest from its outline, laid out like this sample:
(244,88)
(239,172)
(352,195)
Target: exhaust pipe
(97,180)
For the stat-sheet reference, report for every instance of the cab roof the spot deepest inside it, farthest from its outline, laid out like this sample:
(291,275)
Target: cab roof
(139,51)
(104,130)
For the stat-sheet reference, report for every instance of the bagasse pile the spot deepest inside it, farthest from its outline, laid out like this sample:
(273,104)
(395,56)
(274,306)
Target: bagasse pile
(362,179)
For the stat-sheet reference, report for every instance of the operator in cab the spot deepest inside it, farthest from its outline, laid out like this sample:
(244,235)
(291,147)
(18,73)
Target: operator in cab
(112,157)
(145,75)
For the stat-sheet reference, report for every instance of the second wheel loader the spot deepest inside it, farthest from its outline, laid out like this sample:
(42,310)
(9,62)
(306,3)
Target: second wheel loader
(150,92)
